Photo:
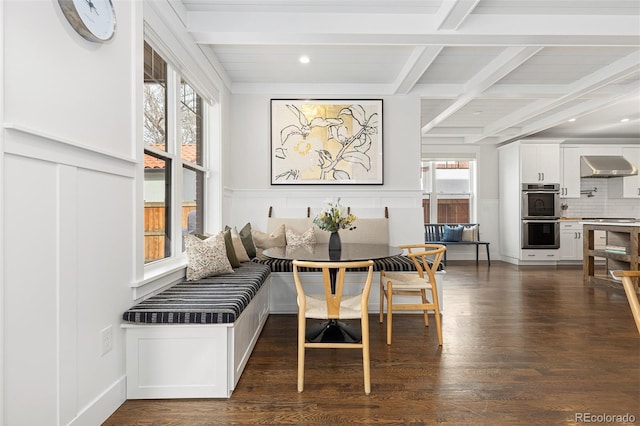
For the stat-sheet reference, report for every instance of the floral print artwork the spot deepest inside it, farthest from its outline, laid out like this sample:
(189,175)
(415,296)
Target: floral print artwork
(327,142)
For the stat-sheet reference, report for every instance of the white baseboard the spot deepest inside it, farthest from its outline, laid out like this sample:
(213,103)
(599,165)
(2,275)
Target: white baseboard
(103,406)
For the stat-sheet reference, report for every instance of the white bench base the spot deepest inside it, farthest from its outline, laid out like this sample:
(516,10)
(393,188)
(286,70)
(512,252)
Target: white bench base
(192,360)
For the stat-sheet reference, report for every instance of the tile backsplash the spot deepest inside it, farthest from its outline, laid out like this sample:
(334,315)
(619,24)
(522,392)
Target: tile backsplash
(600,205)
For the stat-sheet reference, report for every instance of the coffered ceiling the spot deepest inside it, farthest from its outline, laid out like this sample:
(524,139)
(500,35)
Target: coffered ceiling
(486,71)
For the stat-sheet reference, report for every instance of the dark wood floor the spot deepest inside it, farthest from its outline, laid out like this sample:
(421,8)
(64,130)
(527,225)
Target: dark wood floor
(522,346)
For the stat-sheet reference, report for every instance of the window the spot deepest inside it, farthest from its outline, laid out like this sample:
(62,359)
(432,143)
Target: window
(448,191)
(174,166)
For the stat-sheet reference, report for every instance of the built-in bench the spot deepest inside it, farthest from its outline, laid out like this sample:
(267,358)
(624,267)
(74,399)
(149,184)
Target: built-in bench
(194,339)
(434,233)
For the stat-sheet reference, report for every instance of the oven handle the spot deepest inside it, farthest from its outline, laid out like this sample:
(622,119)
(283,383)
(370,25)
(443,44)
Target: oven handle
(537,191)
(540,221)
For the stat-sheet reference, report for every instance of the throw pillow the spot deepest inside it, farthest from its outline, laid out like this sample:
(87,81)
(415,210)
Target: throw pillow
(470,233)
(206,257)
(238,247)
(264,241)
(452,233)
(275,239)
(247,240)
(231,253)
(304,239)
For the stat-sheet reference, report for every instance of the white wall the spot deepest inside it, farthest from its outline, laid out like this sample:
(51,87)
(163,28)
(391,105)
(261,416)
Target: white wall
(248,192)
(68,201)
(71,201)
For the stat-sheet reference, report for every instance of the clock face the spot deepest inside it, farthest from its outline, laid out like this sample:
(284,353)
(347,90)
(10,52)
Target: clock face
(95,20)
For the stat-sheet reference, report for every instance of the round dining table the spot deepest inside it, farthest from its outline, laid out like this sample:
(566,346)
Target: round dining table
(321,253)
(334,330)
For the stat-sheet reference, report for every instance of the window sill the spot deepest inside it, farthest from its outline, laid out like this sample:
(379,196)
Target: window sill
(158,276)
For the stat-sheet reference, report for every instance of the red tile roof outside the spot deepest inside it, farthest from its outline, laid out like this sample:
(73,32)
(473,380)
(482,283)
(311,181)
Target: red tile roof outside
(188,154)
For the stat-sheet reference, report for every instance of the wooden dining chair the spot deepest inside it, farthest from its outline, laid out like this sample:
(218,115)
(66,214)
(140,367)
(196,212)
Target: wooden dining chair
(334,305)
(426,258)
(630,290)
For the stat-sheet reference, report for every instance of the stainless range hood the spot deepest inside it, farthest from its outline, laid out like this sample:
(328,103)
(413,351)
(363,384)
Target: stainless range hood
(606,166)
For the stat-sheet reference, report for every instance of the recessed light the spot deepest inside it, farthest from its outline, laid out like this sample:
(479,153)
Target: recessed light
(624,120)
(571,120)
(304,59)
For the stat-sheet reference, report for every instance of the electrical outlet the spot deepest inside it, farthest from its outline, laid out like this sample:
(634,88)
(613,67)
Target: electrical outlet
(106,339)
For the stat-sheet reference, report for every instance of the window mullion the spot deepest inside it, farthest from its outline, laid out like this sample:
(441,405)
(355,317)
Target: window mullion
(433,195)
(174,150)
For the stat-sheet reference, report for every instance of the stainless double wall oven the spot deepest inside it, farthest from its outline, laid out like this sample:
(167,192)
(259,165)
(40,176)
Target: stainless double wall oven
(540,216)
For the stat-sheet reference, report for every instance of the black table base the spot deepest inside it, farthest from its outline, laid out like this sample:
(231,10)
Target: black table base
(334,331)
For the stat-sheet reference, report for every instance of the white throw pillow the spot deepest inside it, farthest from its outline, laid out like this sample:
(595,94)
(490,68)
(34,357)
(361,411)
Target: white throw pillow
(304,239)
(470,233)
(206,257)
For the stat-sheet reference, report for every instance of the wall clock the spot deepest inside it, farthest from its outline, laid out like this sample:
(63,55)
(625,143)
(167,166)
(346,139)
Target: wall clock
(95,20)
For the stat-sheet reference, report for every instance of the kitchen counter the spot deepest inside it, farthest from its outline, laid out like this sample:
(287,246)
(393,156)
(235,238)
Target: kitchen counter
(611,223)
(620,252)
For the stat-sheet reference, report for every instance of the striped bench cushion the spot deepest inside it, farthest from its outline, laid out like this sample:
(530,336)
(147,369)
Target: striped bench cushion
(212,300)
(399,263)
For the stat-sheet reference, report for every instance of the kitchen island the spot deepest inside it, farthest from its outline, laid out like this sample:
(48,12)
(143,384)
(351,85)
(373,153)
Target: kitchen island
(620,252)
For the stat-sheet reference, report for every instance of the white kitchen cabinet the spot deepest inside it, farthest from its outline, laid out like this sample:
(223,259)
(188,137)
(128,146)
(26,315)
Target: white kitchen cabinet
(541,255)
(526,160)
(570,182)
(570,240)
(628,186)
(540,163)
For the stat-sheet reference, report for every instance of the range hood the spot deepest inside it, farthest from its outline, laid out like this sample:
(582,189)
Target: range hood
(605,166)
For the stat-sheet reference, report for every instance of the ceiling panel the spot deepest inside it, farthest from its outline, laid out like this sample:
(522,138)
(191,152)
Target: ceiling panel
(456,65)
(480,111)
(329,64)
(563,65)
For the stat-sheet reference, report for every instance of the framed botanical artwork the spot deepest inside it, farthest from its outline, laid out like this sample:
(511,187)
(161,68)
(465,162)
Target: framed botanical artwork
(326,142)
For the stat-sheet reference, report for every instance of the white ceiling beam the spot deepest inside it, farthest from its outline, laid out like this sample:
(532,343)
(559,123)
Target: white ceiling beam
(421,58)
(283,28)
(433,39)
(503,64)
(607,75)
(560,117)
(454,12)
(438,91)
(454,131)
(508,91)
(449,16)
(330,89)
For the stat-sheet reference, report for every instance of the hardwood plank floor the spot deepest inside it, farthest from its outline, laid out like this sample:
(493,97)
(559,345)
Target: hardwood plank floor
(522,346)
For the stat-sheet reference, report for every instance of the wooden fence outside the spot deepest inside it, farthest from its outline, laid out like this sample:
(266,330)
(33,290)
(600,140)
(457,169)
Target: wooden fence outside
(154,229)
(449,210)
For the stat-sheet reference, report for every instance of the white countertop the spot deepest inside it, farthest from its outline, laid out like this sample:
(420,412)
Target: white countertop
(587,222)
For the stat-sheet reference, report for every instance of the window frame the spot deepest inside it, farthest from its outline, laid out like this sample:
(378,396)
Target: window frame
(176,260)
(432,194)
